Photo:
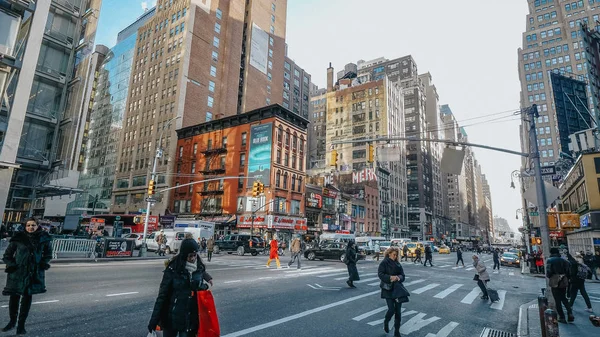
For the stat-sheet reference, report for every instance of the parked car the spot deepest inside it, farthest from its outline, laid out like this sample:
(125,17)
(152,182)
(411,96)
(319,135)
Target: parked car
(444,250)
(137,239)
(383,245)
(510,259)
(330,251)
(240,243)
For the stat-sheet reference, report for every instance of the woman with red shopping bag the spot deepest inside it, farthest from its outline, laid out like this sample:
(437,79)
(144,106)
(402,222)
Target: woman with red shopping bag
(176,309)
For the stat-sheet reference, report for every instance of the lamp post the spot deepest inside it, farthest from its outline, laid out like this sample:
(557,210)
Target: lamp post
(516,174)
(159,152)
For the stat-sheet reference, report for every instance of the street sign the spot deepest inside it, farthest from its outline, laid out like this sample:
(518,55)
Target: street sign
(118,217)
(149,199)
(142,210)
(548,170)
(534,214)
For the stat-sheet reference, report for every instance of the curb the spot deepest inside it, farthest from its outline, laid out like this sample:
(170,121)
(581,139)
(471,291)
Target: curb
(92,260)
(523,325)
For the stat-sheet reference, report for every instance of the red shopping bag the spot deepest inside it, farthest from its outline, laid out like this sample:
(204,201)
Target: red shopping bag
(207,312)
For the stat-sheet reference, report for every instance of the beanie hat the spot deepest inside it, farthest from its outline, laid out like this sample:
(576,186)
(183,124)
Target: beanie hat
(188,246)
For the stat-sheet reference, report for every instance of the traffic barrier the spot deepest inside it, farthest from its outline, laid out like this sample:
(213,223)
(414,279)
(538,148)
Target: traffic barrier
(73,247)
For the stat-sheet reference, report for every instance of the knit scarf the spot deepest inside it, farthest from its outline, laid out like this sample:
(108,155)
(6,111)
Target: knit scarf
(191,267)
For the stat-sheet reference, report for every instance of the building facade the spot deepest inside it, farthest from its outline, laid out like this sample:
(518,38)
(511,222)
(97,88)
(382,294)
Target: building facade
(296,88)
(266,145)
(317,131)
(106,122)
(53,39)
(179,79)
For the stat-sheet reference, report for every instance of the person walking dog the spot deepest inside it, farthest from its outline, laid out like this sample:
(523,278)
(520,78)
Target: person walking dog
(391,275)
(27,258)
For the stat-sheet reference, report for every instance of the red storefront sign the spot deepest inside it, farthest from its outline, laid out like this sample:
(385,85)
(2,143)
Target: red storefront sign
(556,234)
(343,232)
(245,221)
(285,222)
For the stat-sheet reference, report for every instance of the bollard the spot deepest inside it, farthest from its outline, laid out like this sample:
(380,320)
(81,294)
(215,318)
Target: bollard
(551,321)
(542,306)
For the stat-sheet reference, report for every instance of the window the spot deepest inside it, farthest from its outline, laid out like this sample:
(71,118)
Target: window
(285,182)
(295,207)
(547,130)
(278,157)
(549,141)
(193,170)
(271,41)
(278,179)
(219,13)
(244,138)
(551,153)
(242,160)
(216,42)
(211,86)
(215,56)
(180,151)
(210,101)
(209,116)
(597,165)
(217,28)
(213,71)
(195,148)
(273,7)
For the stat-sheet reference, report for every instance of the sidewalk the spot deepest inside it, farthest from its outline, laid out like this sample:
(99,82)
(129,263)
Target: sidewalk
(529,317)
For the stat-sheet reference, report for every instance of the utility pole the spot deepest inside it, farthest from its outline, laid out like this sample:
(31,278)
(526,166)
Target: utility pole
(540,189)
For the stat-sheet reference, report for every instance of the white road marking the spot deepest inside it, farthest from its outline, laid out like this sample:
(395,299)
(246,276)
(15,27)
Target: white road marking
(370,313)
(511,274)
(500,304)
(445,332)
(265,278)
(425,288)
(374,283)
(456,267)
(39,302)
(309,272)
(123,294)
(445,266)
(334,274)
(344,278)
(470,268)
(234,281)
(448,291)
(367,280)
(299,315)
(379,321)
(471,296)
(416,323)
(412,282)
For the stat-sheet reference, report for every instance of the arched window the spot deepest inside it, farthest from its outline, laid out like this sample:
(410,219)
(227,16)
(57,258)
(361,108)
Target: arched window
(287,137)
(293,182)
(278,179)
(285,178)
(299,184)
(295,141)
(279,134)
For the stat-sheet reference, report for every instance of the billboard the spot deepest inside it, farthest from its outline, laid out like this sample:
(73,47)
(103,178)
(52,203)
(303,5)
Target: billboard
(259,49)
(259,161)
(314,200)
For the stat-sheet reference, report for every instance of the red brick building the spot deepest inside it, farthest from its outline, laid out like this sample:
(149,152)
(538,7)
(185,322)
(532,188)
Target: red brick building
(266,145)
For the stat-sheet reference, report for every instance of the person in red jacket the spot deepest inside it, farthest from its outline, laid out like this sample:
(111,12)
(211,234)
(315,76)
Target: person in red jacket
(274,254)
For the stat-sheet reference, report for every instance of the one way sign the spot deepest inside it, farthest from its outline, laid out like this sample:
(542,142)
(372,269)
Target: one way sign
(548,170)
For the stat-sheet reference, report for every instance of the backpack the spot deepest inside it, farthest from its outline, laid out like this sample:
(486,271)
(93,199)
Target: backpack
(583,271)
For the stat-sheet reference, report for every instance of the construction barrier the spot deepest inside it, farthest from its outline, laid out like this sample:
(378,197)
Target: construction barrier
(73,247)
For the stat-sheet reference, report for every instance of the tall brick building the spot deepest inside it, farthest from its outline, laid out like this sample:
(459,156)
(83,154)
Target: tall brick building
(199,61)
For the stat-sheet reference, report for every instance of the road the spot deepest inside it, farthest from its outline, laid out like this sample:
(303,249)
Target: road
(116,299)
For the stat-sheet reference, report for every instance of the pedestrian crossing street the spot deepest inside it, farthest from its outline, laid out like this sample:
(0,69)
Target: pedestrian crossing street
(465,294)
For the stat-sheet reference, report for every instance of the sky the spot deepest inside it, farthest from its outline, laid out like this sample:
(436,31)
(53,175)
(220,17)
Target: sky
(468,46)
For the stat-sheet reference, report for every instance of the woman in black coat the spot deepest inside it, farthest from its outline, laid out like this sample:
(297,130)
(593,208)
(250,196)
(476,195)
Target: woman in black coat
(391,274)
(351,258)
(27,258)
(176,307)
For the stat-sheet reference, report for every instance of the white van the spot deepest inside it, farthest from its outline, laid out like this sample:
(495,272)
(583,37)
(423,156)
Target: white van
(335,237)
(367,243)
(400,242)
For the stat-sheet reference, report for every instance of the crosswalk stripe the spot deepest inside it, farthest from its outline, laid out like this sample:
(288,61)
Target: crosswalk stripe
(412,282)
(343,278)
(334,274)
(446,266)
(379,321)
(425,288)
(374,283)
(500,304)
(370,313)
(367,280)
(470,268)
(471,296)
(445,330)
(511,274)
(448,291)
(456,267)
(297,271)
(416,323)
(311,272)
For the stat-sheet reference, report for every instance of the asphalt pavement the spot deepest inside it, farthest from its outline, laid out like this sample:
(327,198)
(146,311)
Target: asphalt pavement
(116,299)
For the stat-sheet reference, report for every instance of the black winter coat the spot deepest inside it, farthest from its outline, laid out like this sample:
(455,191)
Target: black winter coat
(27,258)
(428,252)
(387,268)
(176,305)
(352,259)
(557,265)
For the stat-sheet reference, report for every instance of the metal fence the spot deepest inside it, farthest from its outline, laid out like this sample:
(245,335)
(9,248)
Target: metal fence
(73,248)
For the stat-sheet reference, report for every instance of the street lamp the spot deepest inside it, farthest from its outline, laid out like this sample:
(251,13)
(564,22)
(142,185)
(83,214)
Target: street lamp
(159,152)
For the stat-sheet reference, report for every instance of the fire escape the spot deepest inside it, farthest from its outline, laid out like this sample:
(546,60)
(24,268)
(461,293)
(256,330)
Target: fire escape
(212,191)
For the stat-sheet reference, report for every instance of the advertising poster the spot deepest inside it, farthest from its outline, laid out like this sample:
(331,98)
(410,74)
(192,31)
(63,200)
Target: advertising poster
(118,248)
(259,161)
(259,49)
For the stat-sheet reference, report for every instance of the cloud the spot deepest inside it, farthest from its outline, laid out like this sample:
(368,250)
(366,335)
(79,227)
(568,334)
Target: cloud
(148,4)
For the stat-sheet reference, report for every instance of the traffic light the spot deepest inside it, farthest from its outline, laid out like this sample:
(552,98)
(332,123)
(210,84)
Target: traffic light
(255,189)
(334,158)
(261,188)
(371,153)
(151,187)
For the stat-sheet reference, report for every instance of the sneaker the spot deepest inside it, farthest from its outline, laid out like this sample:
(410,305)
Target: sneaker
(484,298)
(589,310)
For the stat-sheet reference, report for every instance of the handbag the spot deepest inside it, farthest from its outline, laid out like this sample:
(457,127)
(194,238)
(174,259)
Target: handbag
(559,281)
(386,286)
(403,299)
(207,314)
(157,333)
(476,277)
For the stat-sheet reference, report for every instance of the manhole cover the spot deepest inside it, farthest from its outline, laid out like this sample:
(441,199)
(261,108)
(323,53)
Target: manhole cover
(487,332)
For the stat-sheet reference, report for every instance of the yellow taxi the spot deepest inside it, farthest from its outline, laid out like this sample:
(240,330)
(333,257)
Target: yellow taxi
(413,246)
(444,250)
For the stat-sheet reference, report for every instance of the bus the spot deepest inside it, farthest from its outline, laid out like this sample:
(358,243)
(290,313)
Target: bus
(132,223)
